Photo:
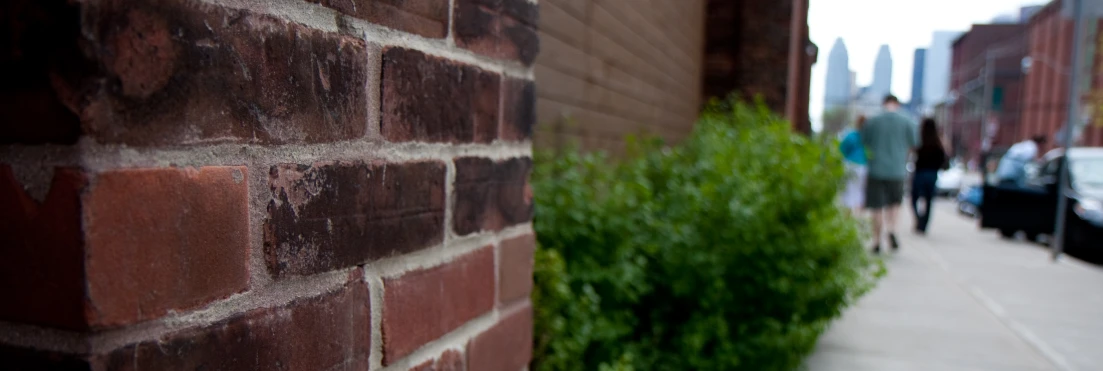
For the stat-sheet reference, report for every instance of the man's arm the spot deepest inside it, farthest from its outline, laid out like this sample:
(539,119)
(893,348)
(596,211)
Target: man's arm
(913,135)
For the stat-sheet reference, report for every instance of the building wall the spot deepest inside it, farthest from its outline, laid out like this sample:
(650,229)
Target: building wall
(1046,93)
(916,102)
(759,48)
(615,67)
(936,72)
(1008,43)
(243,185)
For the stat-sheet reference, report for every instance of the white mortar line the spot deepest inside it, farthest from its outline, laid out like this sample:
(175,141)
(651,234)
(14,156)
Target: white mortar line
(98,157)
(375,291)
(449,201)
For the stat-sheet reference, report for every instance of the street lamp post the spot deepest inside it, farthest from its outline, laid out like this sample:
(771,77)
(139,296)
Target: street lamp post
(1058,243)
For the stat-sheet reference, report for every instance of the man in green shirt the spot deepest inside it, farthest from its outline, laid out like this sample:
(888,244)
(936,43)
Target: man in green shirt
(889,137)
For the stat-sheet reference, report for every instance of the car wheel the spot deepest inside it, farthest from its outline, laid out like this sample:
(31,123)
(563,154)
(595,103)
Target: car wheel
(1008,233)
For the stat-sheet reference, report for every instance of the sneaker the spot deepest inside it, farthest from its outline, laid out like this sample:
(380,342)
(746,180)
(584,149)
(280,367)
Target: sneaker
(892,242)
(876,249)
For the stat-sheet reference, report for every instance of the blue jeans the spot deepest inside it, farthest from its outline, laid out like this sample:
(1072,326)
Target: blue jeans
(923,188)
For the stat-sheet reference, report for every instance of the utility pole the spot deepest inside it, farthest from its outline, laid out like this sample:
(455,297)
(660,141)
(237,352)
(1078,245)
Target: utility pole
(989,80)
(1058,243)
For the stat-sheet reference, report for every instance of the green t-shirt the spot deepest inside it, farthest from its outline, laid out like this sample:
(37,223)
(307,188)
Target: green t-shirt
(888,138)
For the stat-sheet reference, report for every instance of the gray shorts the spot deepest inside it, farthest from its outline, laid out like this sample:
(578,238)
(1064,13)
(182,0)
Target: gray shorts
(882,193)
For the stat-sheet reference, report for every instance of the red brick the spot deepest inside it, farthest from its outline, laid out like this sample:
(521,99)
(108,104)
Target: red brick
(423,305)
(491,195)
(498,29)
(328,332)
(515,261)
(153,240)
(40,55)
(450,360)
(333,215)
(42,259)
(505,347)
(162,239)
(432,99)
(427,18)
(184,71)
(518,109)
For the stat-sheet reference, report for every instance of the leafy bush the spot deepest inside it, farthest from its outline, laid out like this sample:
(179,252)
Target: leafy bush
(726,252)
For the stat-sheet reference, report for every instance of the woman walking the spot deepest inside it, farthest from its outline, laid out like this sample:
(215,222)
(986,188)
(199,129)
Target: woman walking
(930,158)
(855,155)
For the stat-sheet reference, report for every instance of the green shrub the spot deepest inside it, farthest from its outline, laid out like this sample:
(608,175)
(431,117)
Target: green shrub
(726,252)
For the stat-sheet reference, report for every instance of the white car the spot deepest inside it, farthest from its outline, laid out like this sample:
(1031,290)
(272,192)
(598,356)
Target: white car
(950,181)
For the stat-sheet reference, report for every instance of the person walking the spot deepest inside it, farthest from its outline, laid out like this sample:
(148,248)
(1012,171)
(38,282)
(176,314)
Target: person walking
(854,156)
(1012,167)
(930,157)
(889,137)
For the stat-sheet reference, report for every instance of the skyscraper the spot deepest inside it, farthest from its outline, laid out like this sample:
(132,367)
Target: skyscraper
(882,73)
(936,74)
(918,69)
(837,87)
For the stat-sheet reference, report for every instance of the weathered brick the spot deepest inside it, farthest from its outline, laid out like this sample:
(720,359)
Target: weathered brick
(450,360)
(332,215)
(328,332)
(505,347)
(490,195)
(42,259)
(161,239)
(422,305)
(432,99)
(184,71)
(515,261)
(502,30)
(525,11)
(126,246)
(518,109)
(427,18)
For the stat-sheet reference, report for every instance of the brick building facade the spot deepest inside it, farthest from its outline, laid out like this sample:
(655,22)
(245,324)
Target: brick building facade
(1045,99)
(261,185)
(1005,45)
(616,67)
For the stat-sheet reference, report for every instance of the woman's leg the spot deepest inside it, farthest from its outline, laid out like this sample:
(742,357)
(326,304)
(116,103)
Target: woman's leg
(917,186)
(929,182)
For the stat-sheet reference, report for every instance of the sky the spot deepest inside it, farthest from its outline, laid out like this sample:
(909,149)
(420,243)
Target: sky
(903,25)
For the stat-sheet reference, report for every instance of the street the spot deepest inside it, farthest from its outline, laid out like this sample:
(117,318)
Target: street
(964,299)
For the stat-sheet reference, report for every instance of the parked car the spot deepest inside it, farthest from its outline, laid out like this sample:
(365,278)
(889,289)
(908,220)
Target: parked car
(950,181)
(969,199)
(1033,209)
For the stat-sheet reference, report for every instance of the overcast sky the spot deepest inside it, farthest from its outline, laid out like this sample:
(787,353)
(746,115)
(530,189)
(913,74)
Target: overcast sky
(902,24)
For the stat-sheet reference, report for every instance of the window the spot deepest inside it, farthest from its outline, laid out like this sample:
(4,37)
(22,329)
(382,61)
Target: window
(997,98)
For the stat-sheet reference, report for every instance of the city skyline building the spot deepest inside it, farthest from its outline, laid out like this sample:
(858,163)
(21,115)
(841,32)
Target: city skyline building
(837,87)
(882,73)
(918,71)
(936,69)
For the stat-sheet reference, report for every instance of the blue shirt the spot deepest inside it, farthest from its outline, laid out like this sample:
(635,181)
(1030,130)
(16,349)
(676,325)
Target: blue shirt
(852,148)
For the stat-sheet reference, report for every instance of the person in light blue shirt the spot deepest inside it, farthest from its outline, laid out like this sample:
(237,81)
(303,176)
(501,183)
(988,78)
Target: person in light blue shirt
(1012,167)
(854,152)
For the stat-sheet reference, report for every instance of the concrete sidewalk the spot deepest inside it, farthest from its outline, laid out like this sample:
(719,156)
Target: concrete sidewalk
(964,299)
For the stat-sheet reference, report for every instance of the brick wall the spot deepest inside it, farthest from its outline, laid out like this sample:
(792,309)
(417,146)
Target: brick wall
(615,67)
(760,48)
(261,185)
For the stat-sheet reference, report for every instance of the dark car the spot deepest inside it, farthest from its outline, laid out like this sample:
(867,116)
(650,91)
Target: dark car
(1033,209)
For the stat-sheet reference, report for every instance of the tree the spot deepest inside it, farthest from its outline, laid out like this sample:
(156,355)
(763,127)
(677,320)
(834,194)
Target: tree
(835,120)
